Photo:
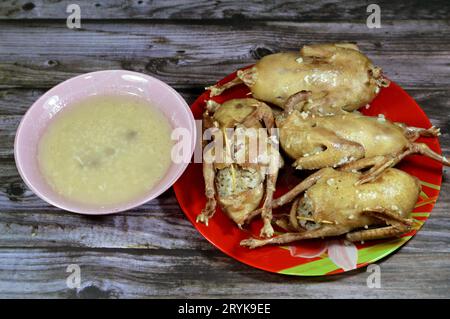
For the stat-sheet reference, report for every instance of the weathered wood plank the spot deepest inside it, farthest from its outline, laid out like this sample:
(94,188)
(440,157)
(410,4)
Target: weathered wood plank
(157,224)
(27,221)
(41,54)
(8,127)
(154,227)
(194,274)
(17,101)
(306,10)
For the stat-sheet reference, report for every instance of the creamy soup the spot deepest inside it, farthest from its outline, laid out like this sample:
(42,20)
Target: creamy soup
(106,150)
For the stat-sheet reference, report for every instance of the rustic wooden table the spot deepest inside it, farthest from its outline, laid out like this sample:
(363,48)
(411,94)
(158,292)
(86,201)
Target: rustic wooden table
(153,251)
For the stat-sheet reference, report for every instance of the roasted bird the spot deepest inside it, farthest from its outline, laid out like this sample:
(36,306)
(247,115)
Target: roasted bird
(239,185)
(339,76)
(338,140)
(334,204)
(356,192)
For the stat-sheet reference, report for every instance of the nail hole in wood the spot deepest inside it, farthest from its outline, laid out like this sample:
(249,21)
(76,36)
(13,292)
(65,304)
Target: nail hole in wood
(28,6)
(15,191)
(52,62)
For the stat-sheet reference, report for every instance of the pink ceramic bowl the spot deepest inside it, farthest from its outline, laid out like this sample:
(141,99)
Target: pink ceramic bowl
(40,114)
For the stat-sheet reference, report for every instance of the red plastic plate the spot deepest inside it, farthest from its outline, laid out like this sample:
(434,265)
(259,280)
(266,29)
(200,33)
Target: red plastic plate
(314,257)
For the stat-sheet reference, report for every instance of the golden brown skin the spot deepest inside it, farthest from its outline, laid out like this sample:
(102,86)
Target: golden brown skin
(239,187)
(334,204)
(338,75)
(336,140)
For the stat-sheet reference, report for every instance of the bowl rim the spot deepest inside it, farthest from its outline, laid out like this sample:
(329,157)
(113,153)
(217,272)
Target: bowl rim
(113,209)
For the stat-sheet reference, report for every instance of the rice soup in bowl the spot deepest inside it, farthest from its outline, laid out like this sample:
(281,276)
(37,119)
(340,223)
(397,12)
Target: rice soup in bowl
(100,143)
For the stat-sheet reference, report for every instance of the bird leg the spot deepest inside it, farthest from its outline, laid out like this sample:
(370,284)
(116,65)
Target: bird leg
(413,133)
(262,113)
(243,76)
(210,192)
(293,102)
(293,221)
(363,163)
(382,162)
(291,195)
(248,76)
(377,164)
(219,89)
(376,233)
(289,237)
(209,176)
(423,149)
(337,151)
(266,210)
(396,226)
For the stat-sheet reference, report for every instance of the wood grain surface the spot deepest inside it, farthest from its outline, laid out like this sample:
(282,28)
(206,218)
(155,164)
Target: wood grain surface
(153,251)
(323,10)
